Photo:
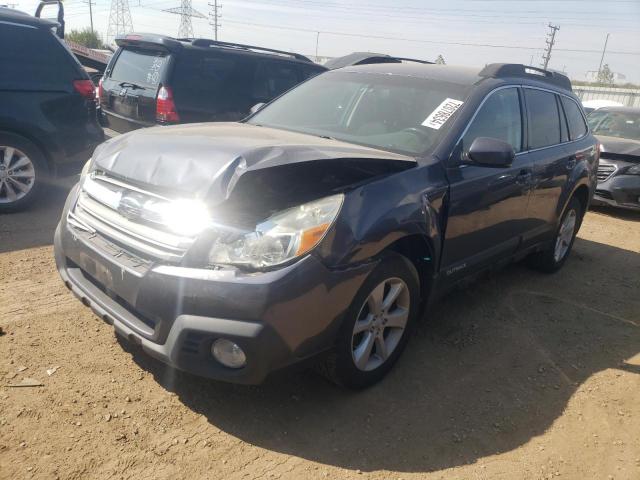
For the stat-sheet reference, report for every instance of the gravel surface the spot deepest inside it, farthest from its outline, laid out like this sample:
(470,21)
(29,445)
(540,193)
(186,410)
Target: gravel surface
(518,376)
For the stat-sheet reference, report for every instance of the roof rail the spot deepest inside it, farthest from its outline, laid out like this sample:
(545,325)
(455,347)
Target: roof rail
(416,60)
(205,42)
(502,70)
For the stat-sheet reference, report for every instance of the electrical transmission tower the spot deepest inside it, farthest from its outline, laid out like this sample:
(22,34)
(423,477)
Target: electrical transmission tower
(551,39)
(119,19)
(186,12)
(214,17)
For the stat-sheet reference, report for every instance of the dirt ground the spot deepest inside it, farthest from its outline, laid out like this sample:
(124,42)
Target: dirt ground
(519,376)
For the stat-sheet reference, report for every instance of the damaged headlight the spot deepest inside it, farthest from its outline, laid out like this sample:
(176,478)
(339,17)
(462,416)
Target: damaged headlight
(280,238)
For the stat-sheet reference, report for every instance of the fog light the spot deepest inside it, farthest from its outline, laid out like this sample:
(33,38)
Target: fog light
(228,353)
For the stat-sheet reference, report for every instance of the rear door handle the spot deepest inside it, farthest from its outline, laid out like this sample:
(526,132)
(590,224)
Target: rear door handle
(524,177)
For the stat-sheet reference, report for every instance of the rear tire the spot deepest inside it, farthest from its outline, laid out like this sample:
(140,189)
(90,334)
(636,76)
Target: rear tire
(23,171)
(376,326)
(555,255)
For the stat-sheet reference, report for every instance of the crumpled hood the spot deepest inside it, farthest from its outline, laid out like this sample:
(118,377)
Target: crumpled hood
(619,146)
(207,160)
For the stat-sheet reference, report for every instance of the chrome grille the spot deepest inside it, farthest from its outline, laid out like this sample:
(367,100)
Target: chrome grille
(605,170)
(98,209)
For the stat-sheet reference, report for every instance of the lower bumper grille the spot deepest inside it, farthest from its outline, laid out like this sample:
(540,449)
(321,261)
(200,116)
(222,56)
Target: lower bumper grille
(605,170)
(97,210)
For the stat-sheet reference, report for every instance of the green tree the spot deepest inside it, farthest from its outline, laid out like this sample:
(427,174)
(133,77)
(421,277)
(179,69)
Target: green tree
(440,60)
(86,37)
(605,75)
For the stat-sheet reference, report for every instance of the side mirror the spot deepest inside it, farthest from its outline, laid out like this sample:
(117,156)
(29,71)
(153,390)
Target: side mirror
(256,108)
(491,152)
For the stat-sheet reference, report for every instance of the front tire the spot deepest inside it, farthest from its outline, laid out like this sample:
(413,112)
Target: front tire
(377,325)
(553,258)
(22,172)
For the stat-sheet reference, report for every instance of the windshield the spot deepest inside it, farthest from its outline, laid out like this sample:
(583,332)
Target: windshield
(615,124)
(396,113)
(140,67)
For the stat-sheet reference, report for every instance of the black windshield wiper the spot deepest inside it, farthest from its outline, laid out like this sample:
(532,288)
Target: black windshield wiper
(131,85)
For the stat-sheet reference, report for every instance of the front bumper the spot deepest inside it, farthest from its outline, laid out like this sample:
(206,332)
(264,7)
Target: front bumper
(619,191)
(278,318)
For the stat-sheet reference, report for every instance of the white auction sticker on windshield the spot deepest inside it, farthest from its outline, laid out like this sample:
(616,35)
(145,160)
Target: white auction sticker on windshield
(441,114)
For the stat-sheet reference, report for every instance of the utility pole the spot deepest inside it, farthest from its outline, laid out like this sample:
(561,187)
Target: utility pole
(550,40)
(91,3)
(603,50)
(317,41)
(214,17)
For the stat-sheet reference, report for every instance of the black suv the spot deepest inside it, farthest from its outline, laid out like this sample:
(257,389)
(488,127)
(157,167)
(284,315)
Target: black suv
(48,121)
(323,224)
(153,79)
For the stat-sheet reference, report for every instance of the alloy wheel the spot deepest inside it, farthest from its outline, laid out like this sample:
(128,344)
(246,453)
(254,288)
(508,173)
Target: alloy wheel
(380,324)
(17,174)
(565,235)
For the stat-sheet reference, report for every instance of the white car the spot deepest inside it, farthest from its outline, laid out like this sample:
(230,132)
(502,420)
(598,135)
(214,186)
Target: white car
(591,105)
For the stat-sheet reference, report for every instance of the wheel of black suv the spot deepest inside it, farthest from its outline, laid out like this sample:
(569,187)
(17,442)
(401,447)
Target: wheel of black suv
(553,258)
(22,170)
(377,326)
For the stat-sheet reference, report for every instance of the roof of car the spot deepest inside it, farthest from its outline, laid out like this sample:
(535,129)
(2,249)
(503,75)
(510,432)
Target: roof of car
(466,75)
(620,109)
(445,73)
(203,44)
(16,16)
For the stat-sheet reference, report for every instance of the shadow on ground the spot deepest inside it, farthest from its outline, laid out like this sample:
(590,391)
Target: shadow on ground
(34,226)
(494,367)
(621,213)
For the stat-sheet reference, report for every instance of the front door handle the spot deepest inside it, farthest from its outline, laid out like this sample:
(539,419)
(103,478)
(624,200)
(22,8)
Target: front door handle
(524,177)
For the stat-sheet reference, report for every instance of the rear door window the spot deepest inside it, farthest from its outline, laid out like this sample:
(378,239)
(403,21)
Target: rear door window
(33,58)
(273,78)
(544,118)
(214,84)
(144,68)
(308,72)
(499,117)
(577,125)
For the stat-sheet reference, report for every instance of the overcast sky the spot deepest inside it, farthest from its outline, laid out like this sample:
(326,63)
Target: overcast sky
(465,32)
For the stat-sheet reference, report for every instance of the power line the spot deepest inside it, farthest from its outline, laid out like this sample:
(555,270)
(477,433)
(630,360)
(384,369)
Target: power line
(550,40)
(436,42)
(412,11)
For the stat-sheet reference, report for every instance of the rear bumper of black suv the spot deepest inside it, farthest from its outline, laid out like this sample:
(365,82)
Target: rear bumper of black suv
(278,318)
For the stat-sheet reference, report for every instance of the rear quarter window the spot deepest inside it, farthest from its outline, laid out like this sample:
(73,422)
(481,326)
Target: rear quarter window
(544,118)
(577,125)
(34,59)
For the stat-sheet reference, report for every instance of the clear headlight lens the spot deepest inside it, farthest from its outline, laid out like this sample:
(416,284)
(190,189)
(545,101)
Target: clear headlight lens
(635,170)
(86,167)
(282,237)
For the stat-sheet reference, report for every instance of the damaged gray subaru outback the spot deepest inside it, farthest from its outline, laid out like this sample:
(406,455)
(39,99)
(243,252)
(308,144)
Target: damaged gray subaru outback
(320,227)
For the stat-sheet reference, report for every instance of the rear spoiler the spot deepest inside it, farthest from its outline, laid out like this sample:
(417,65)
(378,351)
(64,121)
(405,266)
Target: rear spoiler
(60,17)
(149,41)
